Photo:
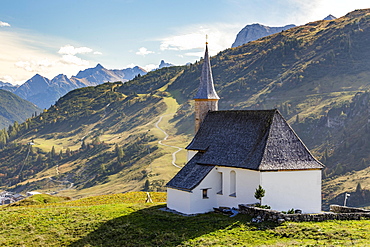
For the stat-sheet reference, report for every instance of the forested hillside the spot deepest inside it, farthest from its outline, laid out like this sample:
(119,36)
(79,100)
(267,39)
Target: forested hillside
(317,75)
(13,108)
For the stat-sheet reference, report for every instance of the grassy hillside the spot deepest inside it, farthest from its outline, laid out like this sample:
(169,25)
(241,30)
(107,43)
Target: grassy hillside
(13,108)
(93,141)
(105,139)
(125,220)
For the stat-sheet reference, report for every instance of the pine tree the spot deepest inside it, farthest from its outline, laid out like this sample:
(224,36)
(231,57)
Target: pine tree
(358,188)
(119,153)
(325,156)
(16,126)
(12,132)
(6,134)
(3,137)
(259,194)
(39,159)
(61,154)
(83,145)
(53,153)
(32,151)
(68,152)
(146,185)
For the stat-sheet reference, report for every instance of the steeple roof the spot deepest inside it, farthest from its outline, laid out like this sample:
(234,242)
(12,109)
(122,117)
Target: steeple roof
(206,88)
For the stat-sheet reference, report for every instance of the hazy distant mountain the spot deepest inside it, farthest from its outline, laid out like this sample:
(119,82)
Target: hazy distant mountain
(329,18)
(36,85)
(44,92)
(7,86)
(256,31)
(163,64)
(3,84)
(99,75)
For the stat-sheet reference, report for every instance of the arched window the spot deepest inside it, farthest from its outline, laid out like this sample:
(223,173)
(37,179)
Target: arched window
(232,183)
(220,183)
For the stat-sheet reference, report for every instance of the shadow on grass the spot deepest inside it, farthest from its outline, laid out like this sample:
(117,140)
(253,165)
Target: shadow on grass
(153,227)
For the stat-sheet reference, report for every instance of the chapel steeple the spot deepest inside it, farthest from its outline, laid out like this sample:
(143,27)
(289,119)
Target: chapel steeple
(206,98)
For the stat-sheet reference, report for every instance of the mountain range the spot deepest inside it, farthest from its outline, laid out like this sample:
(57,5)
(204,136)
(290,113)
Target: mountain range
(109,138)
(256,31)
(44,92)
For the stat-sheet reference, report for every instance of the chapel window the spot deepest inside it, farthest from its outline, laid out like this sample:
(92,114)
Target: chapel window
(220,183)
(233,183)
(205,193)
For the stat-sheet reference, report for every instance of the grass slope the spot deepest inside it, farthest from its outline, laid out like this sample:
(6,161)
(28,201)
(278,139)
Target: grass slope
(100,118)
(125,220)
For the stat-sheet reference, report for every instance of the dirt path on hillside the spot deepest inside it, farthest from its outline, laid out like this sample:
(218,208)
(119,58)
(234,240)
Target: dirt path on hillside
(164,139)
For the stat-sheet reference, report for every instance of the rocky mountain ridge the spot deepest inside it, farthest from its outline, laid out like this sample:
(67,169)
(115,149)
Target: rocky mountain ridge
(163,64)
(44,92)
(256,31)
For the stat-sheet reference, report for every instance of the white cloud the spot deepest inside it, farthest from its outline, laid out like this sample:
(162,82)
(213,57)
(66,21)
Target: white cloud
(97,53)
(183,42)
(4,24)
(6,78)
(150,67)
(34,65)
(194,54)
(308,11)
(220,37)
(131,65)
(23,54)
(71,59)
(24,65)
(44,63)
(144,51)
(71,50)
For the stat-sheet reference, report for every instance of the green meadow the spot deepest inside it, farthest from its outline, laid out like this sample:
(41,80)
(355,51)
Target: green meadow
(126,220)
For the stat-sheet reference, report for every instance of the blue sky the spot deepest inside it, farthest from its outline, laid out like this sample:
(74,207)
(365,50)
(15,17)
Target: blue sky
(64,36)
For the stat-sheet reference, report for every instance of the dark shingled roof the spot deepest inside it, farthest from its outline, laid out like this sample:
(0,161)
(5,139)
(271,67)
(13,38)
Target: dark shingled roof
(190,175)
(206,88)
(257,140)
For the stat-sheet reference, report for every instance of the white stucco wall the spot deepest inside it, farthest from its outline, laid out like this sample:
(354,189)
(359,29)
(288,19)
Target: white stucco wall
(293,189)
(246,183)
(284,190)
(179,200)
(193,202)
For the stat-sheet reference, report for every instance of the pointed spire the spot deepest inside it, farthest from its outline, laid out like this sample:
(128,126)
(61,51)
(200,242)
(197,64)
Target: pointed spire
(206,88)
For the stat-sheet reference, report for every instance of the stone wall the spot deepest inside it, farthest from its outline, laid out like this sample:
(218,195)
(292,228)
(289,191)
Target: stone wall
(343,209)
(271,215)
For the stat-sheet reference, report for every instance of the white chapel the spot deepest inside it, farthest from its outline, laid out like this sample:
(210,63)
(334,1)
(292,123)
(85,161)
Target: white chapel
(235,151)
